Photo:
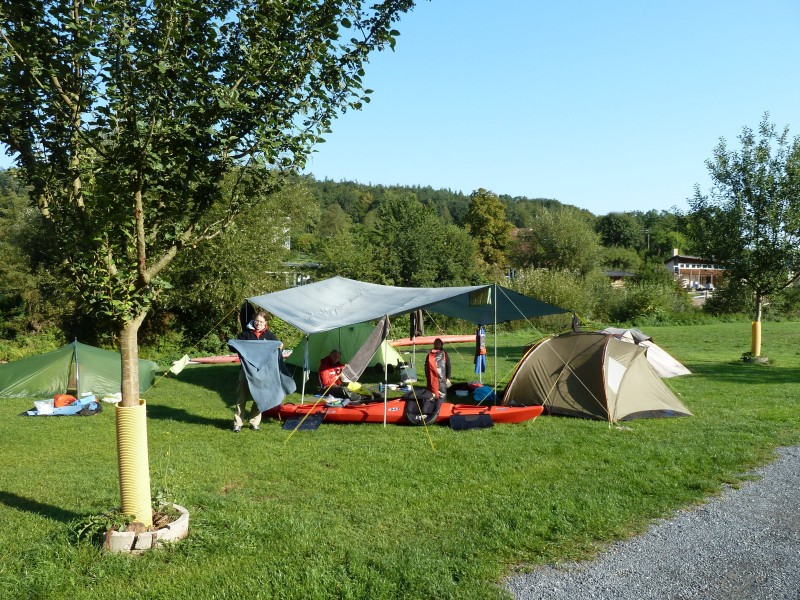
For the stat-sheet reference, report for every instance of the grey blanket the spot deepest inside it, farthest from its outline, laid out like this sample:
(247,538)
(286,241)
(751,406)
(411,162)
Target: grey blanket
(266,374)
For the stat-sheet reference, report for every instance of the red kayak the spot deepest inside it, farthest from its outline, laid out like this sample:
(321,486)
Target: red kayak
(395,412)
(499,414)
(362,413)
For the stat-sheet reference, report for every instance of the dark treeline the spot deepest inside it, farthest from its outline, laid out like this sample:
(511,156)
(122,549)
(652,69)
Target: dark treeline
(661,229)
(357,199)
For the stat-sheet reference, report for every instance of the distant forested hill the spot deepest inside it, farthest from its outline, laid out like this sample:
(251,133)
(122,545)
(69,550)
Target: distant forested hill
(358,199)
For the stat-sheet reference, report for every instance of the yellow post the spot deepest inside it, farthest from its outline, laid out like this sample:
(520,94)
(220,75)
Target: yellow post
(755,347)
(134,472)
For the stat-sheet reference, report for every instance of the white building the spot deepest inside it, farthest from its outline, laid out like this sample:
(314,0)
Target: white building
(693,272)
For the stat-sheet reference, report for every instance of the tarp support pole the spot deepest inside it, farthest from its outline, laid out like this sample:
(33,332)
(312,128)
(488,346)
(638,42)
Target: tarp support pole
(78,372)
(495,343)
(305,374)
(385,381)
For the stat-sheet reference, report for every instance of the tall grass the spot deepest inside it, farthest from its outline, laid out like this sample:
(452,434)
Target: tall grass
(362,511)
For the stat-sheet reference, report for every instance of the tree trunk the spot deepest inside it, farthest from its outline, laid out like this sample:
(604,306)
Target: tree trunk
(132,454)
(129,349)
(755,345)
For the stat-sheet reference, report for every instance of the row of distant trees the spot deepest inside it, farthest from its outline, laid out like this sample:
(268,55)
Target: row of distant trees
(418,236)
(510,232)
(407,236)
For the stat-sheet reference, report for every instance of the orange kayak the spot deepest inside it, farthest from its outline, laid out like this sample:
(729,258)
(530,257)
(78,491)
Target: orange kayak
(427,340)
(395,412)
(499,414)
(216,360)
(362,413)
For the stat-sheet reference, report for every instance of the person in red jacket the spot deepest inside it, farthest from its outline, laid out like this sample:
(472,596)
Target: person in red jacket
(437,370)
(331,380)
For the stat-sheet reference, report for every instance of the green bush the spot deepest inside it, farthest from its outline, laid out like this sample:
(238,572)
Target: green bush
(586,296)
(785,305)
(27,345)
(730,297)
(653,303)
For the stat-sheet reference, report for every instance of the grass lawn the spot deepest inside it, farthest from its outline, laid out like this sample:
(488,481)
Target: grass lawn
(363,511)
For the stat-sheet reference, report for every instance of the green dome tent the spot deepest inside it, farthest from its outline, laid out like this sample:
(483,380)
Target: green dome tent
(76,368)
(347,340)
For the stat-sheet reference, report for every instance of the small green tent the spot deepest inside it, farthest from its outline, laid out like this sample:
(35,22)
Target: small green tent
(76,367)
(591,375)
(347,340)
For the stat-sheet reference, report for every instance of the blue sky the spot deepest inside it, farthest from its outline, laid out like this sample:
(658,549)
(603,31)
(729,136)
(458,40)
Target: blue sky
(609,106)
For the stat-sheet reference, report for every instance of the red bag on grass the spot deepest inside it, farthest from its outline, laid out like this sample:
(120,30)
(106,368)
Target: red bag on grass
(60,400)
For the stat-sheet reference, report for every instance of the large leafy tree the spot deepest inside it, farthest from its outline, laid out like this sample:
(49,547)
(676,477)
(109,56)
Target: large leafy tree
(347,254)
(620,229)
(750,220)
(414,247)
(664,231)
(125,116)
(562,238)
(488,225)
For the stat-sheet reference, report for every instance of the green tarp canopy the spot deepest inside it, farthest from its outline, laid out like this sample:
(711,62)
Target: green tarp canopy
(347,340)
(76,367)
(338,301)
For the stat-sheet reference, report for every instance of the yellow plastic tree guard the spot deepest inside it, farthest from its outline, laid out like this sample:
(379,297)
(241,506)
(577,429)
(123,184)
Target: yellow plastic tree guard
(755,348)
(134,464)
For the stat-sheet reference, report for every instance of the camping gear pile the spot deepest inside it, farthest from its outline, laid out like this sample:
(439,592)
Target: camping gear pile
(65,405)
(348,302)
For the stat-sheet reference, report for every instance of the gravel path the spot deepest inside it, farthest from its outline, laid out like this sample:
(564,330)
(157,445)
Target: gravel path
(744,544)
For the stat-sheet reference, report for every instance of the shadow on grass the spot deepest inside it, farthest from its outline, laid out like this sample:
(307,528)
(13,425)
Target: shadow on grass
(733,372)
(168,413)
(47,510)
(216,378)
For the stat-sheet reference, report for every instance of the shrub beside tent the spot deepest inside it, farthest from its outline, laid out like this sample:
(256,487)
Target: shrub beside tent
(591,375)
(76,367)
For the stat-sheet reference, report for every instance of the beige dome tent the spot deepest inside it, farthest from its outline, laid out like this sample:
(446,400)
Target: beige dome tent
(591,375)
